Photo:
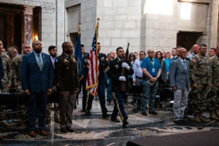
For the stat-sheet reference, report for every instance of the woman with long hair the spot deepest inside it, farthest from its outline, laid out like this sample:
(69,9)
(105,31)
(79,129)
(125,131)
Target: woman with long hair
(163,76)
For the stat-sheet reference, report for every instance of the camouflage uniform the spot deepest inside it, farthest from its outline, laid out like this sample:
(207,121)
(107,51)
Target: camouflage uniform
(16,67)
(200,74)
(7,79)
(214,94)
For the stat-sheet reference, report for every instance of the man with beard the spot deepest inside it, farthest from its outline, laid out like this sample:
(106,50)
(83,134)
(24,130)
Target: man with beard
(67,84)
(37,81)
(53,53)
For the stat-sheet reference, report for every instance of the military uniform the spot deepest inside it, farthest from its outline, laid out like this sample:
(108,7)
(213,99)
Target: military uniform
(67,82)
(200,74)
(114,72)
(83,80)
(7,79)
(16,68)
(101,86)
(213,100)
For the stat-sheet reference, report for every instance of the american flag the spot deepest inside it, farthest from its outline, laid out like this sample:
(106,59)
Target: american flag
(93,72)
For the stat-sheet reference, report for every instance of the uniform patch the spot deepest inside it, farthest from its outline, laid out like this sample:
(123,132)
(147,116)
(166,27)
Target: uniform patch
(108,68)
(57,60)
(102,58)
(116,66)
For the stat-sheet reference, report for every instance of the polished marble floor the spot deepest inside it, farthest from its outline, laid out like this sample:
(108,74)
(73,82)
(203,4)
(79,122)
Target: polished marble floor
(93,130)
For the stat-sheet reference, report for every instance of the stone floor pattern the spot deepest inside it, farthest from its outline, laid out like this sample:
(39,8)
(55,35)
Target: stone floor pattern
(94,131)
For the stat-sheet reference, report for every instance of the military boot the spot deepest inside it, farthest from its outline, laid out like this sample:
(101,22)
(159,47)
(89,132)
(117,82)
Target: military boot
(214,116)
(196,119)
(203,119)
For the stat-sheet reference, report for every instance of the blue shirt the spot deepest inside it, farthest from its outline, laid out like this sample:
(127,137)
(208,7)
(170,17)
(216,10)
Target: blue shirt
(152,69)
(36,56)
(167,61)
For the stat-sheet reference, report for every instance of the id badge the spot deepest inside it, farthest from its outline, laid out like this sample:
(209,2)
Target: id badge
(153,69)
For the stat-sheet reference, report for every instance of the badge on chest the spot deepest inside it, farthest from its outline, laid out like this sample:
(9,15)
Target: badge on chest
(116,66)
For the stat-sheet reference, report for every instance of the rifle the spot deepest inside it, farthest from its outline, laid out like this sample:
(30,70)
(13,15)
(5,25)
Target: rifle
(123,85)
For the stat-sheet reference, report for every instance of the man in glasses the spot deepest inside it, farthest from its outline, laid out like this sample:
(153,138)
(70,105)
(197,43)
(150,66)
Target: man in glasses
(180,82)
(151,69)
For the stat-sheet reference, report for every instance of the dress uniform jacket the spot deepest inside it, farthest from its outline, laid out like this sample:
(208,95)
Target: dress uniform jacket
(115,71)
(85,61)
(102,65)
(66,73)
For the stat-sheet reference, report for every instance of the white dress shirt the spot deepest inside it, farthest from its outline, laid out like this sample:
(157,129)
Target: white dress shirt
(137,69)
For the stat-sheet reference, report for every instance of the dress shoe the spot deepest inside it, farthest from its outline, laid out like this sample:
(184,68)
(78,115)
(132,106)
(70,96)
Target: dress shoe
(43,133)
(57,120)
(153,113)
(32,134)
(125,123)
(70,129)
(144,113)
(88,113)
(63,130)
(115,120)
(178,122)
(105,115)
(1,138)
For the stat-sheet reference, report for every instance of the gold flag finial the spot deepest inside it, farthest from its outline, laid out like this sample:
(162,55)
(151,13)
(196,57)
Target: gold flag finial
(79,28)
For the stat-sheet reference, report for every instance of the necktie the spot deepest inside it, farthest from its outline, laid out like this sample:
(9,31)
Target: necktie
(40,62)
(184,65)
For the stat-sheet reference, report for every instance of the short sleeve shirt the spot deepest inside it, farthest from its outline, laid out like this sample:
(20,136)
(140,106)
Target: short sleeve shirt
(152,65)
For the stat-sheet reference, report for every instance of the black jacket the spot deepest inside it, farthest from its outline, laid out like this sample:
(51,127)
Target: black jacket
(102,66)
(115,71)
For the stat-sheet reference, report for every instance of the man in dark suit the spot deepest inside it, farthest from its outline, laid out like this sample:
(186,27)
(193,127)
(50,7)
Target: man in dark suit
(37,82)
(101,85)
(180,82)
(67,84)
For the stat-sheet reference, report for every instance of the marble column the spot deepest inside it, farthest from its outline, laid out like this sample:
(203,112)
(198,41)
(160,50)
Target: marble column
(213,23)
(28,26)
(10,29)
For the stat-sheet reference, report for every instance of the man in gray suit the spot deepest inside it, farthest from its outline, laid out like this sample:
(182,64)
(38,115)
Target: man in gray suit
(180,82)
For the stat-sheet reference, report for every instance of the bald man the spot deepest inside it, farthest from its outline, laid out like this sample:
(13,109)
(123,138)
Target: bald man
(37,81)
(151,68)
(195,49)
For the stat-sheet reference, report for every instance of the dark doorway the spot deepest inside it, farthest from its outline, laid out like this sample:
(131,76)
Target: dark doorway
(187,39)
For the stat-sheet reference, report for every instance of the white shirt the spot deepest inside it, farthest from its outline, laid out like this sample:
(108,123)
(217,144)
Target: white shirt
(137,69)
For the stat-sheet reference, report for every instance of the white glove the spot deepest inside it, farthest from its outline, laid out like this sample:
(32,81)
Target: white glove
(122,78)
(124,64)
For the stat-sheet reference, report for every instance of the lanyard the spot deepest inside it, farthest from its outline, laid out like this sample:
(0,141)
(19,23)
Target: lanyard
(152,61)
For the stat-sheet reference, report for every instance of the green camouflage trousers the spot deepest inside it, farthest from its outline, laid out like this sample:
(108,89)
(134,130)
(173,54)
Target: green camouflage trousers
(199,96)
(213,99)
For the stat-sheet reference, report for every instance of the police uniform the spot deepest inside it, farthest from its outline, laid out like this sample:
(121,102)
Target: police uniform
(200,74)
(7,79)
(101,86)
(83,80)
(16,67)
(67,81)
(114,72)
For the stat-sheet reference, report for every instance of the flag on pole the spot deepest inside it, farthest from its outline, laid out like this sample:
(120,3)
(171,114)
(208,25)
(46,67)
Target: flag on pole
(93,63)
(78,57)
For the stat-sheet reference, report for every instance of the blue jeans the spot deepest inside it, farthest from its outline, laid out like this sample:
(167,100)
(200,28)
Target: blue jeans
(109,91)
(118,106)
(149,93)
(37,102)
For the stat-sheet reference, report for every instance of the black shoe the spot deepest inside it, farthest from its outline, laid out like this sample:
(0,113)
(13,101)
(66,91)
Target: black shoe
(105,115)
(70,130)
(178,122)
(125,123)
(88,113)
(144,113)
(63,130)
(115,120)
(153,113)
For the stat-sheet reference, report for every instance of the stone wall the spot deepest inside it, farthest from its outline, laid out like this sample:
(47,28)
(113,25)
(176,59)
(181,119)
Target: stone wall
(52,30)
